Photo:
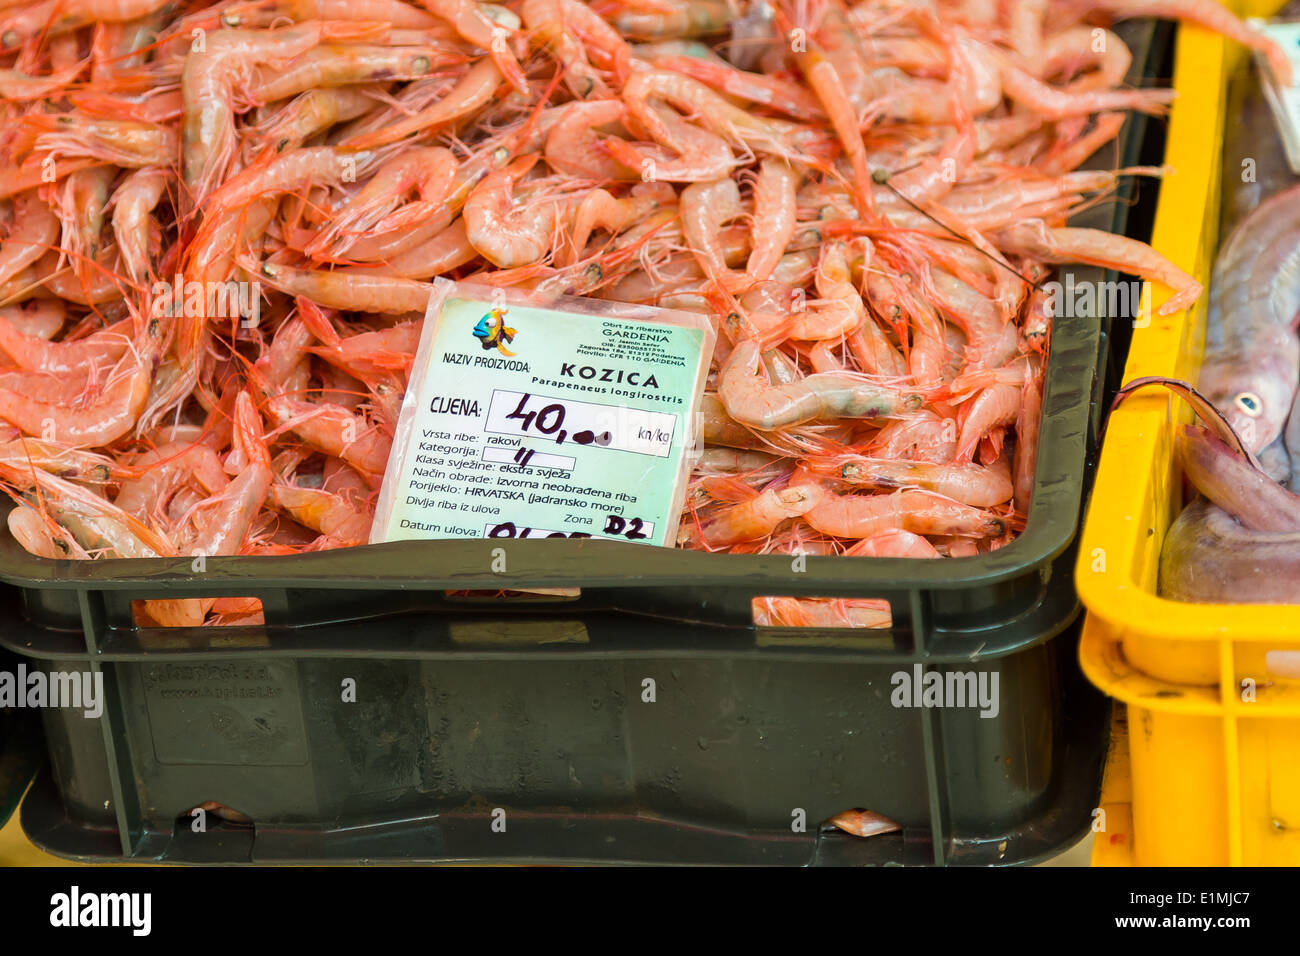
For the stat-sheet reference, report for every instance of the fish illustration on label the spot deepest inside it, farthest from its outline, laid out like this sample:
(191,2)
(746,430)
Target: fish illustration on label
(492,331)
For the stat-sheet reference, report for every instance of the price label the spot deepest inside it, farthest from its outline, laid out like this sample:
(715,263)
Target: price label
(545,418)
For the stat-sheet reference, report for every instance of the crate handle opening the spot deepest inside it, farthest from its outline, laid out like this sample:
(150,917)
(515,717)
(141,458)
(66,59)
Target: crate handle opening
(1283,664)
(822,612)
(205,815)
(198,612)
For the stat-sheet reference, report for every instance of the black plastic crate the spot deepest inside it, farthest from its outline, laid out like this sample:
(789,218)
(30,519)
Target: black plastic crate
(534,706)
(712,771)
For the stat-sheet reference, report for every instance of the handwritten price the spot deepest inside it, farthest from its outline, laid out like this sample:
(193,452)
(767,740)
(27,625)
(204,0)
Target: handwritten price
(550,421)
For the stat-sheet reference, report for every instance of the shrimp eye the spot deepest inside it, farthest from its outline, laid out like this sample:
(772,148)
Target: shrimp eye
(10,39)
(1249,403)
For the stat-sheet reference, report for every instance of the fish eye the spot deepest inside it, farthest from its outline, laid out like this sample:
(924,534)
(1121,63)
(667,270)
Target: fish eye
(1249,403)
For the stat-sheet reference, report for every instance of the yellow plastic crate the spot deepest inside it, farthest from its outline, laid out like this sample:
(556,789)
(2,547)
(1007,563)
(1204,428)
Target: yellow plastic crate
(1214,739)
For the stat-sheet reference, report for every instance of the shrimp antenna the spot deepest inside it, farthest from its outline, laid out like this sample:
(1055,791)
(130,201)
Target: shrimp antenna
(884,177)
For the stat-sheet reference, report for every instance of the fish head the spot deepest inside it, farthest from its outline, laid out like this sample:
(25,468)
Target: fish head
(1256,406)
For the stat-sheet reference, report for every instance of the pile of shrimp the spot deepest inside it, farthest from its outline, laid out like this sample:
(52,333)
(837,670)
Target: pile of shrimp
(865,199)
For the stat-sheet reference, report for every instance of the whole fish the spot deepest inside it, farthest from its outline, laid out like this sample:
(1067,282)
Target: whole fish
(1275,460)
(1252,362)
(1240,546)
(1236,485)
(1254,159)
(1209,557)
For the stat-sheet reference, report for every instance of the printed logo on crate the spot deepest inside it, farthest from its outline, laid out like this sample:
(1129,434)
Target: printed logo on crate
(492,332)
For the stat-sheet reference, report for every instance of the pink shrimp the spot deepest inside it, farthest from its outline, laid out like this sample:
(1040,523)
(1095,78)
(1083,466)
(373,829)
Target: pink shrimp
(705,208)
(573,143)
(750,399)
(369,353)
(395,12)
(695,155)
(667,19)
(166,468)
(1052,103)
(506,233)
(34,354)
(96,524)
(826,84)
(123,142)
(356,291)
(331,65)
(775,191)
(441,253)
(53,17)
(222,522)
(430,171)
(599,209)
(772,92)
(334,431)
(310,113)
(841,312)
(1099,248)
(570,30)
(921,512)
(475,89)
(207,84)
(468,19)
(33,234)
(923,436)
(87,467)
(994,407)
(1074,151)
(104,420)
(39,318)
(41,535)
(893,544)
(1209,14)
(759,516)
(648,92)
(971,484)
(340,523)
(133,202)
